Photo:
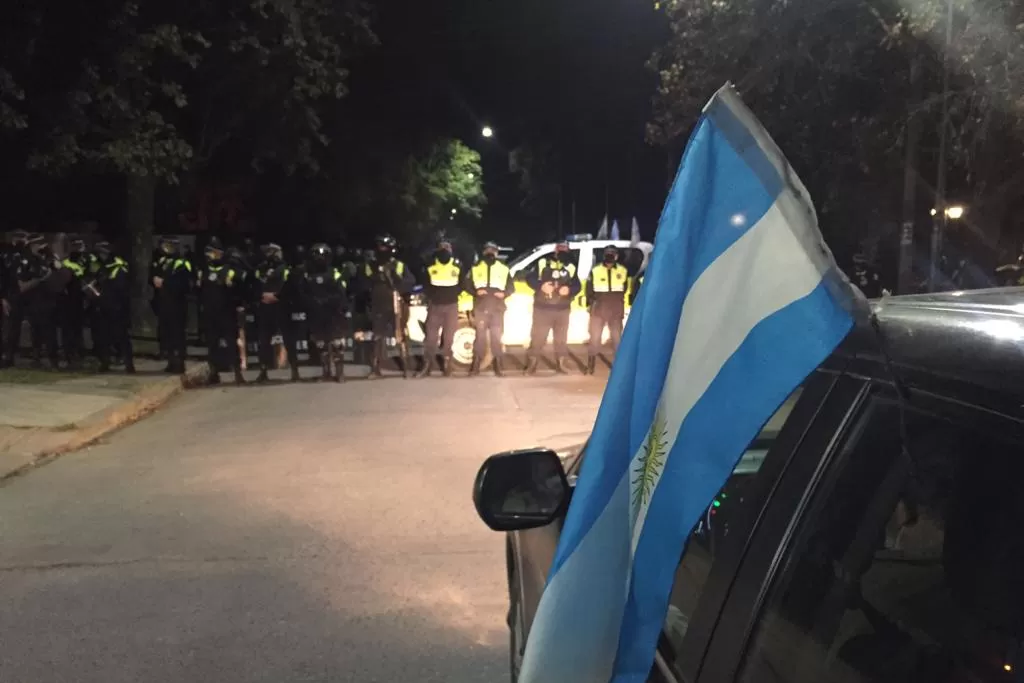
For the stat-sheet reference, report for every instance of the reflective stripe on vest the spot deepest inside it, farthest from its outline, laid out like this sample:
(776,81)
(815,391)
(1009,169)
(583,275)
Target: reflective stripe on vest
(442,275)
(494,276)
(542,263)
(606,279)
(74,267)
(182,263)
(399,269)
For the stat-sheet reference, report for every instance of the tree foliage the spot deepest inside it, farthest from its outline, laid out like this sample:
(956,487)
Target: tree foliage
(445,177)
(831,81)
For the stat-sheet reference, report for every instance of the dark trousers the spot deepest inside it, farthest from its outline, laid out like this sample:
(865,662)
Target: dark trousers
(602,316)
(111,336)
(42,320)
(554,320)
(488,324)
(173,321)
(442,321)
(14,324)
(71,315)
(220,329)
(274,319)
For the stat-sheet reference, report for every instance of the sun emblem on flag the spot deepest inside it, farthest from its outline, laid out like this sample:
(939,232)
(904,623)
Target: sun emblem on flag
(650,463)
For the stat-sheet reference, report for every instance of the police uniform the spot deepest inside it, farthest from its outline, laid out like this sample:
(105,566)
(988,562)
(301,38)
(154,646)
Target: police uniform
(606,296)
(442,290)
(220,294)
(327,304)
(386,282)
(551,310)
(490,282)
(35,300)
(175,273)
(71,306)
(111,328)
(275,317)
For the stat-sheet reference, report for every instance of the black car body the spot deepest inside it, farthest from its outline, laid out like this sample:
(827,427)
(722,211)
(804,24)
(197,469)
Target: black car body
(873,532)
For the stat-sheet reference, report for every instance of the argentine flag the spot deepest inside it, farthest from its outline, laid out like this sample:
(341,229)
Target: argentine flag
(742,300)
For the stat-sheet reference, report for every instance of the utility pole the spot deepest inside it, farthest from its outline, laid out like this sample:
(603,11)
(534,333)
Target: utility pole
(905,276)
(561,226)
(574,212)
(939,217)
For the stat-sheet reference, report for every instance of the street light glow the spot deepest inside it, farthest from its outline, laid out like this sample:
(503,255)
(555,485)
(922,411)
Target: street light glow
(470,176)
(487,132)
(955,212)
(453,212)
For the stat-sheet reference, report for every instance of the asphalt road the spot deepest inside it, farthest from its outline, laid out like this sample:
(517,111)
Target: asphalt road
(307,532)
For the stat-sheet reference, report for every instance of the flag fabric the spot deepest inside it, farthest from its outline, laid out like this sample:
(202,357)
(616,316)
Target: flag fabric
(634,233)
(741,301)
(615,230)
(602,232)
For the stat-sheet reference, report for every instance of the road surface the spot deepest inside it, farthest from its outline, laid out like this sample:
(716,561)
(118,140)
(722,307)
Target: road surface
(282,534)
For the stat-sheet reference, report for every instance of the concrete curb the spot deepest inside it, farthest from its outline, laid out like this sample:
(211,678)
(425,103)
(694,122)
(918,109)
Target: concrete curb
(113,418)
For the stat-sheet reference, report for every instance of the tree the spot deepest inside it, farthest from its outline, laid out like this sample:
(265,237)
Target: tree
(831,81)
(154,91)
(444,180)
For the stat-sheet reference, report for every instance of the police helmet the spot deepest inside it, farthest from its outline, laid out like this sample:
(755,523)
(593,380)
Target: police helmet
(19,238)
(214,249)
(386,245)
(272,251)
(102,250)
(169,245)
(76,246)
(340,251)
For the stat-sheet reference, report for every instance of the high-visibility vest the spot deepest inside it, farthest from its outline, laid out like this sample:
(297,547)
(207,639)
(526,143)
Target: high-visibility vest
(399,269)
(605,279)
(75,268)
(443,274)
(543,263)
(490,276)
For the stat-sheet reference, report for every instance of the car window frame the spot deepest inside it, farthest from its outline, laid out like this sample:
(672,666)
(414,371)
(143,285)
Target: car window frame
(769,555)
(818,398)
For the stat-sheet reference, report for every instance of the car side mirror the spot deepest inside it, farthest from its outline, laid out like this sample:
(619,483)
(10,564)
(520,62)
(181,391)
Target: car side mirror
(521,490)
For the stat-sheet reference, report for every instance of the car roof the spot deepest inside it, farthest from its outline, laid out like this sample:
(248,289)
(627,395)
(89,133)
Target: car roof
(974,336)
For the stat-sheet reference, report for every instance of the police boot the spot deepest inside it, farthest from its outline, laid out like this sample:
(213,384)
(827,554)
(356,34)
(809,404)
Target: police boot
(531,365)
(262,378)
(406,364)
(498,371)
(239,377)
(474,367)
(591,365)
(375,361)
(325,364)
(428,367)
(562,365)
(449,366)
(295,373)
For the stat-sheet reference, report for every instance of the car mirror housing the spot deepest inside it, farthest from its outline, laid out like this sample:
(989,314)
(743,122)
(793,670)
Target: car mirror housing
(521,490)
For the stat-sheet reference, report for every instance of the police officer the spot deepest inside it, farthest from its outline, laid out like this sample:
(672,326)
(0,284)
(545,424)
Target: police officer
(443,287)
(555,285)
(388,281)
(172,281)
(274,310)
(110,289)
(490,282)
(343,262)
(606,297)
(71,304)
(221,299)
(328,301)
(248,289)
(40,285)
(12,312)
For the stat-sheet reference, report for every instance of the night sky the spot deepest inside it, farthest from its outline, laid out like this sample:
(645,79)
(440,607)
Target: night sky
(568,72)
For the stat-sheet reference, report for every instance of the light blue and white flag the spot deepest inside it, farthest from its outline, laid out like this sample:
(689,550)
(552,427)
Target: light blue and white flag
(741,301)
(602,232)
(615,229)
(634,233)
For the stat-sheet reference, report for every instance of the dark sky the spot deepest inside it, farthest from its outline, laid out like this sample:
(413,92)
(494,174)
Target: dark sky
(569,72)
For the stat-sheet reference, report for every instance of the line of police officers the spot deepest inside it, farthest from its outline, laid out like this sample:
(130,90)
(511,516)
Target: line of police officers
(58,295)
(52,293)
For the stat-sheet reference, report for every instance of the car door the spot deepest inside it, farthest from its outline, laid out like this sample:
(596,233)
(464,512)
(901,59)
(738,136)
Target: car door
(898,556)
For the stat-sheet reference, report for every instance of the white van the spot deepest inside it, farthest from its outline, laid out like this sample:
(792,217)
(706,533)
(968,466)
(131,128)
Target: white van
(585,252)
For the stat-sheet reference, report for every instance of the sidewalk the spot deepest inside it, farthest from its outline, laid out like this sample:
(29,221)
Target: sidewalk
(44,414)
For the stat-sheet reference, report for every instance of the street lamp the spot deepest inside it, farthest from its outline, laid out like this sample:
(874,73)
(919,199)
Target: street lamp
(470,176)
(487,132)
(954,213)
(454,212)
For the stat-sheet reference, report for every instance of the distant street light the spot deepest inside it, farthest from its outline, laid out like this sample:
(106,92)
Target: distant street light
(454,212)
(954,213)
(487,132)
(470,176)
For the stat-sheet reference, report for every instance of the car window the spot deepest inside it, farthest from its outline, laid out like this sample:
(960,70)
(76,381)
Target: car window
(908,565)
(711,532)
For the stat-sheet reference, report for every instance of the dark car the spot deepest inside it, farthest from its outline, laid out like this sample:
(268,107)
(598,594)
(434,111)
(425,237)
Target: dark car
(873,532)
